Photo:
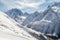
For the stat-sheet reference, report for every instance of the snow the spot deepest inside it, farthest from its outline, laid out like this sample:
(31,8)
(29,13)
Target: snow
(56,9)
(9,26)
(23,17)
(6,36)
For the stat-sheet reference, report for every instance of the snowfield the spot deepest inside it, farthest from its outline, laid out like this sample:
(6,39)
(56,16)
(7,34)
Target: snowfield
(6,36)
(9,29)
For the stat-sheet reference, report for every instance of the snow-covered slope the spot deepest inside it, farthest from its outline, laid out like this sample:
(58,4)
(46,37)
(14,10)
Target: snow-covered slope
(9,26)
(6,36)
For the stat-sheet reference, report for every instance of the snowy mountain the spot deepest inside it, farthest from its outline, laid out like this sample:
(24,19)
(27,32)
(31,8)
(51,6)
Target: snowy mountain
(56,7)
(49,22)
(10,30)
(26,14)
(16,14)
(30,18)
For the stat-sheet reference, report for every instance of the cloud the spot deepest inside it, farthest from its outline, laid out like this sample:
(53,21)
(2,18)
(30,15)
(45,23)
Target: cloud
(10,4)
(53,0)
(27,5)
(24,4)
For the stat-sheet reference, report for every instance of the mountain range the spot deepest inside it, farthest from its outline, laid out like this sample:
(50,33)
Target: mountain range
(28,26)
(48,22)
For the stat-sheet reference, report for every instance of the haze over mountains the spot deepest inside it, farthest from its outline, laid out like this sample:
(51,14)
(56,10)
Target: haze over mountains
(30,26)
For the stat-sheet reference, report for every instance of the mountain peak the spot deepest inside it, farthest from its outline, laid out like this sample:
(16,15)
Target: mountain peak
(15,14)
(15,11)
(56,4)
(36,12)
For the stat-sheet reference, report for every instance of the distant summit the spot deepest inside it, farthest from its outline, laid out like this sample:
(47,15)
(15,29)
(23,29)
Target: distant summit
(15,14)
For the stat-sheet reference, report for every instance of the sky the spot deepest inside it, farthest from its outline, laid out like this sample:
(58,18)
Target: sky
(26,5)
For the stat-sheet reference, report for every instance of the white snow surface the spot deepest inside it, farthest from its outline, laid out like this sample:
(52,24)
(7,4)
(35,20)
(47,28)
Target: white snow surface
(10,31)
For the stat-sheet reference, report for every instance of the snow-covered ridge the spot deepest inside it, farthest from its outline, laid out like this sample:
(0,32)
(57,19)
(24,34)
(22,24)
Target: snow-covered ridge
(47,22)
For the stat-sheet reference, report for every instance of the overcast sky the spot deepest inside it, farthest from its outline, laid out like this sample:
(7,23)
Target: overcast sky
(26,5)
